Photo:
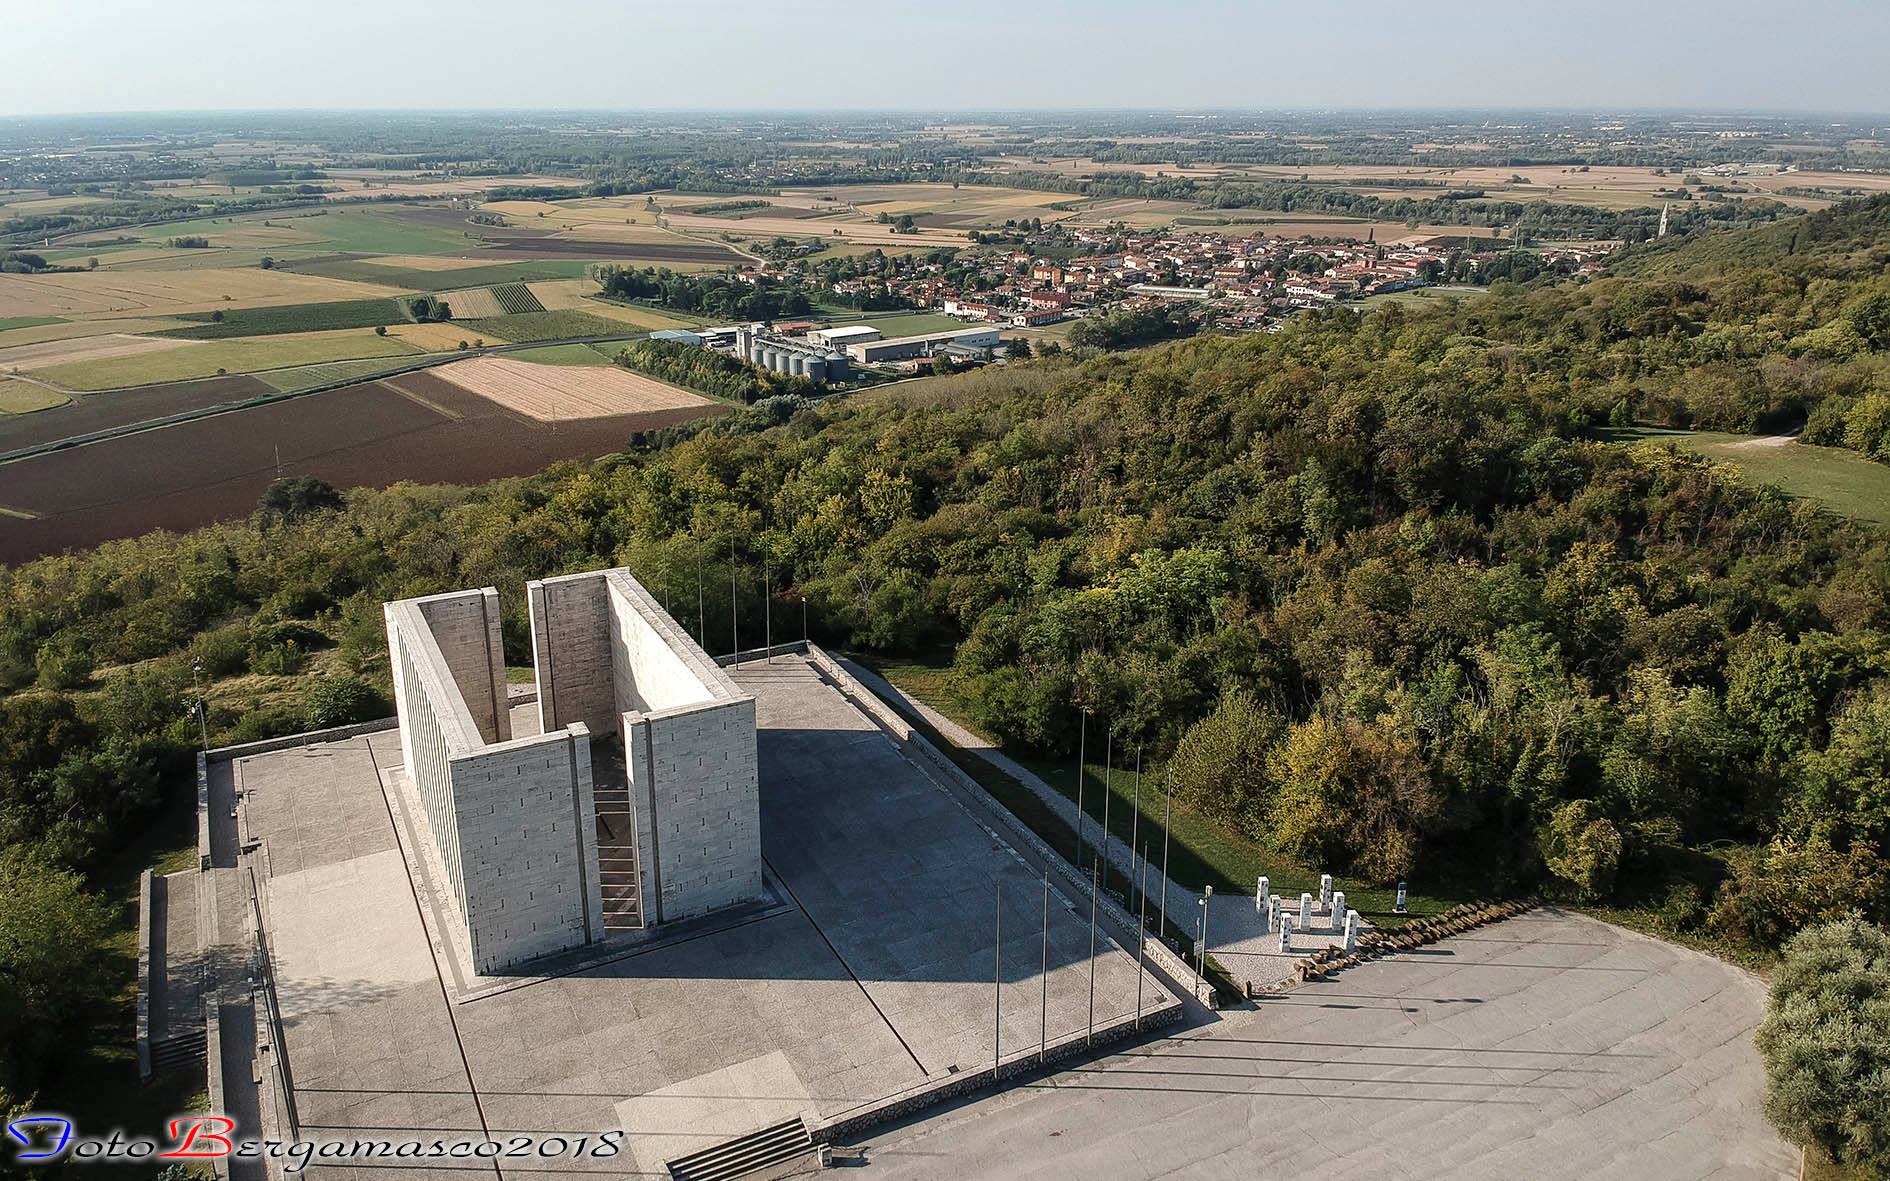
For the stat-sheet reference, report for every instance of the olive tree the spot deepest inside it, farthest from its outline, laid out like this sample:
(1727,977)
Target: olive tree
(1826,1042)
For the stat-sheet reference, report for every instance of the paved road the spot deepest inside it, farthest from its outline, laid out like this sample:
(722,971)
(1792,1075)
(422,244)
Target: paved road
(1550,1046)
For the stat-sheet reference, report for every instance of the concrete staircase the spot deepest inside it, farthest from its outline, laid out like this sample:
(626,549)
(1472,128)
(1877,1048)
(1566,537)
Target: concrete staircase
(617,858)
(745,1155)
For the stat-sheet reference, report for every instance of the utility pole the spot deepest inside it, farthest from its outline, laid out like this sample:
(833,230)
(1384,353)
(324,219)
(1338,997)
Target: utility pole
(1089,1037)
(997,983)
(1043,975)
(734,612)
(1109,770)
(1135,823)
(1167,808)
(1141,937)
(767,612)
(1082,743)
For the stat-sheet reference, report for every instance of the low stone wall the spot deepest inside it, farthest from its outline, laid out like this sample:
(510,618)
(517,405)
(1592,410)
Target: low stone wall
(1466,916)
(848,1124)
(224,754)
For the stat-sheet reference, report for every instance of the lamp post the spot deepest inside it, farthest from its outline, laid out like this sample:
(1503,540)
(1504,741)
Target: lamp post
(203,723)
(1200,969)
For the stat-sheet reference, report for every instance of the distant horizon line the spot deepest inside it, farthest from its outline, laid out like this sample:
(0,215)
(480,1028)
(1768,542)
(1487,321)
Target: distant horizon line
(1181,110)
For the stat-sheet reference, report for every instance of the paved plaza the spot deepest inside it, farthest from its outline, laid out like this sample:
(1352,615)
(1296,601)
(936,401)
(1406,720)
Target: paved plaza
(865,974)
(1548,1046)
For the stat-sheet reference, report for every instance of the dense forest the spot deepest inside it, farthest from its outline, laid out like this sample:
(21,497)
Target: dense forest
(1371,585)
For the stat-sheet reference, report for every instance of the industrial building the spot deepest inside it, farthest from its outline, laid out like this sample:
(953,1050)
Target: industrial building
(813,360)
(541,850)
(840,337)
(904,347)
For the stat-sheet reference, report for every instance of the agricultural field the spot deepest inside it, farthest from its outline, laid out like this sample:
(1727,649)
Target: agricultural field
(307,317)
(567,354)
(545,326)
(435,280)
(28,322)
(567,391)
(439,338)
(104,293)
(418,426)
(88,348)
(212,358)
(23,397)
(83,414)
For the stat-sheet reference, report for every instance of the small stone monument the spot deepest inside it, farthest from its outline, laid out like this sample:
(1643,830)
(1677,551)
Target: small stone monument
(1286,932)
(1325,891)
(1273,912)
(1262,889)
(1351,930)
(1398,906)
(1338,909)
(1305,910)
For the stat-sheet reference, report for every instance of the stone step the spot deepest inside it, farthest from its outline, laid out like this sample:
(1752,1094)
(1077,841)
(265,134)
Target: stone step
(745,1154)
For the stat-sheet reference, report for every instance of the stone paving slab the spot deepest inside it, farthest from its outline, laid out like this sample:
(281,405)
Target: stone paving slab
(874,978)
(1548,1046)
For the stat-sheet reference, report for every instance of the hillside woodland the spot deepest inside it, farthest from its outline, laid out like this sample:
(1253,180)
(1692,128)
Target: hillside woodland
(1373,587)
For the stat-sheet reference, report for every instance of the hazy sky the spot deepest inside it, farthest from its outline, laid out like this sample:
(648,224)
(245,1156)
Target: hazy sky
(122,55)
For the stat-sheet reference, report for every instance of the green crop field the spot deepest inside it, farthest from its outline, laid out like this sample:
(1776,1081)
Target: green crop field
(304,377)
(567,354)
(28,321)
(543,326)
(297,317)
(1843,481)
(246,355)
(365,271)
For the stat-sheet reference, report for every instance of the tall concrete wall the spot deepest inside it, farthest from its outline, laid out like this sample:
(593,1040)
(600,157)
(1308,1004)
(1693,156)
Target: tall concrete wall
(694,778)
(465,625)
(688,733)
(570,617)
(513,821)
(528,837)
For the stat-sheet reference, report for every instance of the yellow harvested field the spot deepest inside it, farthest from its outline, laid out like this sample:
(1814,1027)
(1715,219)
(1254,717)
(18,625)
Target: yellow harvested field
(23,397)
(549,393)
(91,293)
(248,354)
(84,348)
(428,262)
(473,303)
(77,328)
(437,338)
(560,295)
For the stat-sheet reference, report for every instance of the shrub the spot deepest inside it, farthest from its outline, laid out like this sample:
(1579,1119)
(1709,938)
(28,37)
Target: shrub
(1826,1043)
(223,652)
(340,701)
(1582,849)
(1219,766)
(1772,893)
(63,662)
